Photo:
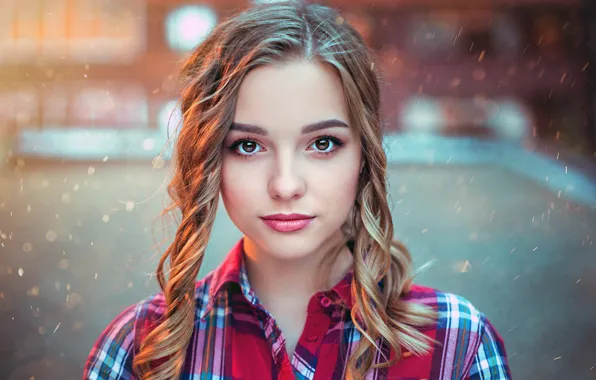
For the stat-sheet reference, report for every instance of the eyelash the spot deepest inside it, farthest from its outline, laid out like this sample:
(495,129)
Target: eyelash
(334,140)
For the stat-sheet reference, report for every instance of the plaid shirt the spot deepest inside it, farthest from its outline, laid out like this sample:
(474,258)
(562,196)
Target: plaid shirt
(236,338)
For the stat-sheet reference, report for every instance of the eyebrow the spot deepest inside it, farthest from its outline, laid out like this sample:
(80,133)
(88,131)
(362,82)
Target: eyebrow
(319,125)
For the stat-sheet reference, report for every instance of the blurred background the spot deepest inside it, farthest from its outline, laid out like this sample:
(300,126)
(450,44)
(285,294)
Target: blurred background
(490,130)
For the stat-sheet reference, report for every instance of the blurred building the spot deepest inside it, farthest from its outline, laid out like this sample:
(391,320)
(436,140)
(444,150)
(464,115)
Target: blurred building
(510,69)
(96,78)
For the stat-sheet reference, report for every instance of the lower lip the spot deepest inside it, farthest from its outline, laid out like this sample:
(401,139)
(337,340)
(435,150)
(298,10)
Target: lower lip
(287,225)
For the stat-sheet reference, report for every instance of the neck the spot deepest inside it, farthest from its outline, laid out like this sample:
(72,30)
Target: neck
(277,280)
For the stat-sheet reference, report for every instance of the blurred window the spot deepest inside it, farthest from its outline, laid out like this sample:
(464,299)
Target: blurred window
(91,31)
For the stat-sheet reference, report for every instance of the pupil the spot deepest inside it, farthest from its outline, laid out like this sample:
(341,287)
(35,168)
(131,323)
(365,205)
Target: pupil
(322,144)
(249,146)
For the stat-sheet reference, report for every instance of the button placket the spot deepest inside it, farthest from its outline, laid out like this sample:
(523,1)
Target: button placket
(316,326)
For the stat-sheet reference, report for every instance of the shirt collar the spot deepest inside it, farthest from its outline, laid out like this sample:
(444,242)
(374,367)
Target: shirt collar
(233,270)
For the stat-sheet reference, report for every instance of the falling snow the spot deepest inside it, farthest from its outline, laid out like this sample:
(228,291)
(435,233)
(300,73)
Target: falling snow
(494,215)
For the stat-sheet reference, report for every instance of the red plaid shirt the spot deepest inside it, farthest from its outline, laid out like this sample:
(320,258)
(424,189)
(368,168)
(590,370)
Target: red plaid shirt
(236,338)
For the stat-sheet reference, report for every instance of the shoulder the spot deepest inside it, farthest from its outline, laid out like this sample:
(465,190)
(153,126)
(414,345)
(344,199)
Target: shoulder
(468,343)
(151,310)
(453,311)
(111,355)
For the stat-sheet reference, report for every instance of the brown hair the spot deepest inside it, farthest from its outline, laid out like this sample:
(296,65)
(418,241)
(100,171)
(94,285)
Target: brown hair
(264,35)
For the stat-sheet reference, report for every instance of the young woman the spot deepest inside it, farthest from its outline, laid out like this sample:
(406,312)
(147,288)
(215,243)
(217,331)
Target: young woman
(281,117)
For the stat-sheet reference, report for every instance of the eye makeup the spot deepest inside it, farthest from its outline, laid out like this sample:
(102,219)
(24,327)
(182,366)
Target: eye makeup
(248,147)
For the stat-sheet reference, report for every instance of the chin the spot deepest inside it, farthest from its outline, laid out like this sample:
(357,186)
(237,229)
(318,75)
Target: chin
(290,246)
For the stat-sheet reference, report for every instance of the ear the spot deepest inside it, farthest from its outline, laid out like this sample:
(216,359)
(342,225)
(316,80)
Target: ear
(361,166)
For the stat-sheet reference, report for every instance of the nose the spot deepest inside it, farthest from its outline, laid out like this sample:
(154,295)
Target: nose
(286,182)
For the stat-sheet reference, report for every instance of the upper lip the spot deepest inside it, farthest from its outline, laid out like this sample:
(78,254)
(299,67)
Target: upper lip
(287,217)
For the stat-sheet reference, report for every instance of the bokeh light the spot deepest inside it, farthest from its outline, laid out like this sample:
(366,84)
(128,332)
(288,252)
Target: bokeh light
(422,114)
(169,119)
(187,26)
(509,120)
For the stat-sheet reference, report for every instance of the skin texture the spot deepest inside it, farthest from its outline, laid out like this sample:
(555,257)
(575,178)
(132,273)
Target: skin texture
(288,171)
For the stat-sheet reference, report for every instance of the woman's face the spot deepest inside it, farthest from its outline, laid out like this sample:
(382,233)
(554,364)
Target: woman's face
(291,150)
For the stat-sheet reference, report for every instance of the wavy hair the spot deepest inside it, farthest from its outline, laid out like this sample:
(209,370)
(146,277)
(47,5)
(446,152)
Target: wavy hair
(262,35)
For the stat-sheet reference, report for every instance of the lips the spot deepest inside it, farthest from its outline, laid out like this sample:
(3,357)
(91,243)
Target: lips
(287,217)
(287,222)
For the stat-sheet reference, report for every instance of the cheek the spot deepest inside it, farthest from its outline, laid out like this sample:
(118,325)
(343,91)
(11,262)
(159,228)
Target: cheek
(238,187)
(337,184)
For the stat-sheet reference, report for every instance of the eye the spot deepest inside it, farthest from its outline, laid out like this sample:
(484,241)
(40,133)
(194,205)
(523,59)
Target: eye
(246,147)
(326,144)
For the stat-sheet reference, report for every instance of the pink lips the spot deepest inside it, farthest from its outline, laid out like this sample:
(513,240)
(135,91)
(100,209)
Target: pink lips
(287,222)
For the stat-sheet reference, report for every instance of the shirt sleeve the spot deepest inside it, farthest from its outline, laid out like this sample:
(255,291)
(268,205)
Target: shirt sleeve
(490,359)
(112,354)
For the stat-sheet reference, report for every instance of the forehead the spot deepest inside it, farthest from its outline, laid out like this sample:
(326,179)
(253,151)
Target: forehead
(290,95)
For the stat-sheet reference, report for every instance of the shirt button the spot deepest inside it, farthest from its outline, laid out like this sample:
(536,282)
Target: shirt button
(325,302)
(312,338)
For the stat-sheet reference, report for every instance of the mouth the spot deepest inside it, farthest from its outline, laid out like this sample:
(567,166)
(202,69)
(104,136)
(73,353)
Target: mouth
(287,222)
(287,217)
